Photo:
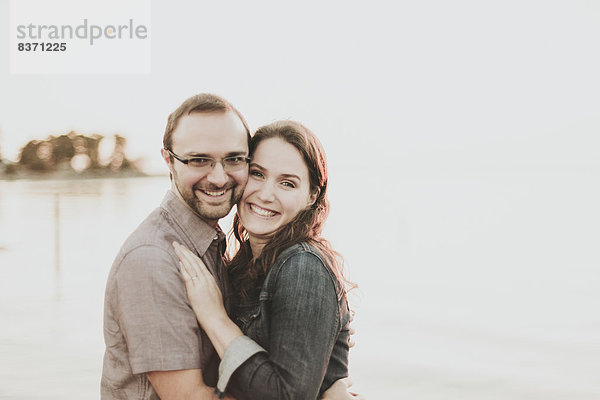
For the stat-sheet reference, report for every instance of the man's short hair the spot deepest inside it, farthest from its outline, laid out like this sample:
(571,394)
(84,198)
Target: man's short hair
(200,103)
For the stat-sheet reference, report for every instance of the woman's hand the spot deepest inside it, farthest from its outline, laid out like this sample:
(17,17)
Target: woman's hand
(202,290)
(340,391)
(206,300)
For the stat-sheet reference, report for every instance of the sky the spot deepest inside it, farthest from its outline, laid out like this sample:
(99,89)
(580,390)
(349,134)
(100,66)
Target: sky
(426,84)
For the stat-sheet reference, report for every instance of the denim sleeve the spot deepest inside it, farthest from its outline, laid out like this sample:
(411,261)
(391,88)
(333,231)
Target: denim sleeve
(304,325)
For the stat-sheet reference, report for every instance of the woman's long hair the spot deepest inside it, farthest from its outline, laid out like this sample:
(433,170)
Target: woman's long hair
(247,274)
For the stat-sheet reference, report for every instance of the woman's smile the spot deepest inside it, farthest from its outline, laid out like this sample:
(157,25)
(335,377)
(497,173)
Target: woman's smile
(261,211)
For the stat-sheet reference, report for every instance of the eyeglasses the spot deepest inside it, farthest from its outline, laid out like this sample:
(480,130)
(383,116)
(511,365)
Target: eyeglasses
(230,164)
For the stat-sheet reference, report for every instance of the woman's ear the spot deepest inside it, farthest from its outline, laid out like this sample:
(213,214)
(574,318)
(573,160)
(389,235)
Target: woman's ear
(313,197)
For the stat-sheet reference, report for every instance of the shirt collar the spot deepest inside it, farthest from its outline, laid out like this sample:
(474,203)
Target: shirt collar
(200,234)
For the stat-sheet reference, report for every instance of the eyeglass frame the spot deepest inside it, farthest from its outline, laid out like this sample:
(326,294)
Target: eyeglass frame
(213,161)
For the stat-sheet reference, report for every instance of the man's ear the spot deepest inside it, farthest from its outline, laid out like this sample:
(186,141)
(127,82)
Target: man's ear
(166,156)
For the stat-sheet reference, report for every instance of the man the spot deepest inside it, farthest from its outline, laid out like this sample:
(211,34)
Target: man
(154,346)
(153,342)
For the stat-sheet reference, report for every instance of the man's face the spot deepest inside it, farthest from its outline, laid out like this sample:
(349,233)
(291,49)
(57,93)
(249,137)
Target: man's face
(210,194)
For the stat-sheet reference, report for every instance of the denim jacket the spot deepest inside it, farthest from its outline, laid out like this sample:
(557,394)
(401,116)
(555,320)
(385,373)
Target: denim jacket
(296,332)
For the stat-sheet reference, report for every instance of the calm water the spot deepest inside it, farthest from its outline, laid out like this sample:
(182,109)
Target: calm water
(474,285)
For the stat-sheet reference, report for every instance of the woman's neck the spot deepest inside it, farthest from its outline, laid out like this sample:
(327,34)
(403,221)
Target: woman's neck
(257,245)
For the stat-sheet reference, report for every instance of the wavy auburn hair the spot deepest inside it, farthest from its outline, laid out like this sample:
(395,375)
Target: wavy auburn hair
(247,274)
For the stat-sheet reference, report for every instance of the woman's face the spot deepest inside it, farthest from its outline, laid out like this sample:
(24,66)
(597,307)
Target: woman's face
(277,190)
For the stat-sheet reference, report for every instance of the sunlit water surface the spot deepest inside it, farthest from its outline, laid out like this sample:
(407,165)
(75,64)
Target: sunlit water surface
(472,285)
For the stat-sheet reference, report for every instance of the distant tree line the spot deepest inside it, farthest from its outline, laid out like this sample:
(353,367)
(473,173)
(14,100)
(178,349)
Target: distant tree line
(71,152)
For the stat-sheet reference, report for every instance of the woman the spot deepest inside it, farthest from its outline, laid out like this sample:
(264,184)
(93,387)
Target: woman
(290,336)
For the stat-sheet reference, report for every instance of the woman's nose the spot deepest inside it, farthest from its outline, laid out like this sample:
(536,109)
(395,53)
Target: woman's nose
(266,192)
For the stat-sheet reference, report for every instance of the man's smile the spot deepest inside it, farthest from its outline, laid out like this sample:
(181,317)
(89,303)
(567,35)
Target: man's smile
(212,194)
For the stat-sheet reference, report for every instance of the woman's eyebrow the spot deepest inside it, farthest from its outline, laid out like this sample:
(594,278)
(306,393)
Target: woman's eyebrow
(255,165)
(290,176)
(286,176)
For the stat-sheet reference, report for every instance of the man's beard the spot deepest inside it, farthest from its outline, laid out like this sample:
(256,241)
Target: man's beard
(202,208)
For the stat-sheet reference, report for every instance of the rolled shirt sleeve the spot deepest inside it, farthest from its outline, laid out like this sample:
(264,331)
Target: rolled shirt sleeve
(238,351)
(157,321)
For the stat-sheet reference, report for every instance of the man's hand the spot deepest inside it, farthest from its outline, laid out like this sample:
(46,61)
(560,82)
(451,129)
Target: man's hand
(340,391)
(352,331)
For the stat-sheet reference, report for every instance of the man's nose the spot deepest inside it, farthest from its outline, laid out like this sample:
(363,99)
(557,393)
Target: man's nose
(217,175)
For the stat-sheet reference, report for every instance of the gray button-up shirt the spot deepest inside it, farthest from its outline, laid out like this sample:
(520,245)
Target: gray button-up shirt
(149,324)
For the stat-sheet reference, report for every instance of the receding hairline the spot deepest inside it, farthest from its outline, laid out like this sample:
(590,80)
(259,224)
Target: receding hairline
(215,111)
(231,111)
(203,103)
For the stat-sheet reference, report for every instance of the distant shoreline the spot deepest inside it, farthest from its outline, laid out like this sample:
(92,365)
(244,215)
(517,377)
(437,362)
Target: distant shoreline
(73,175)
